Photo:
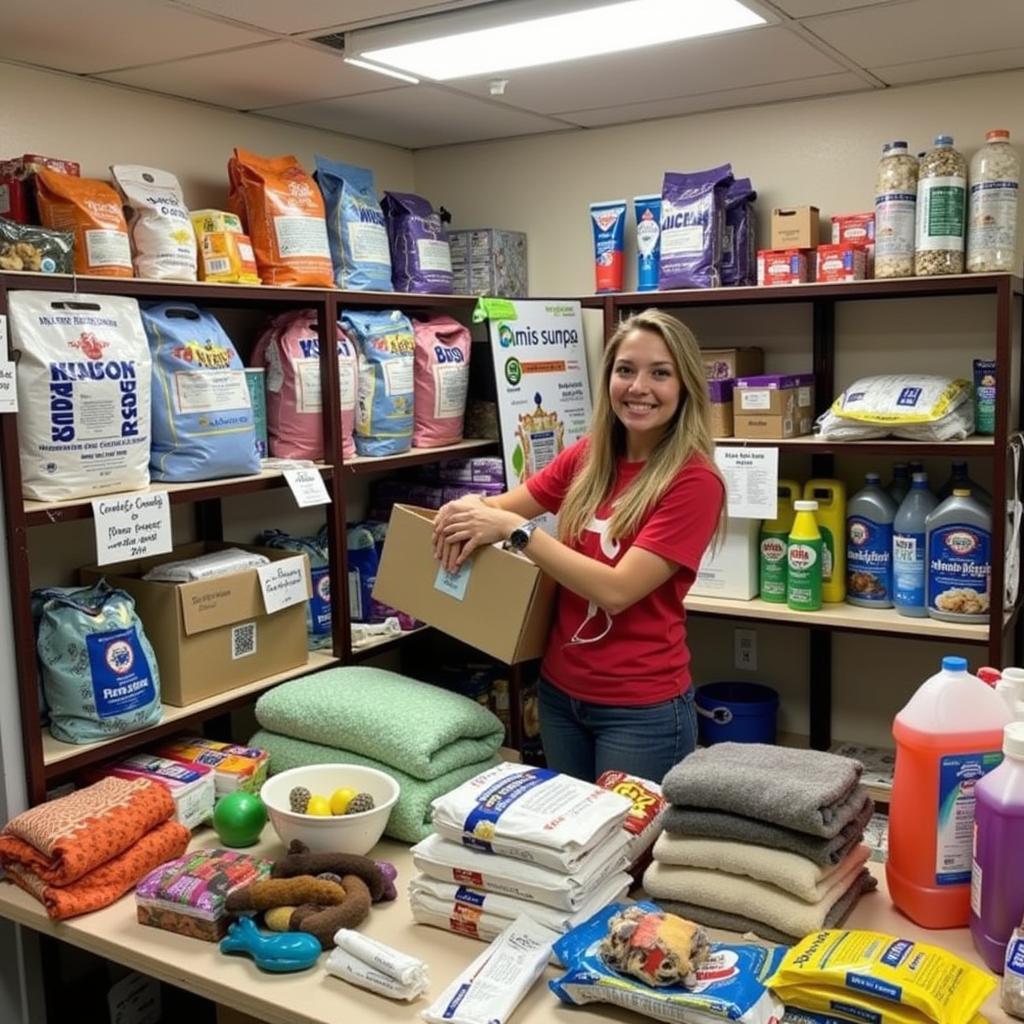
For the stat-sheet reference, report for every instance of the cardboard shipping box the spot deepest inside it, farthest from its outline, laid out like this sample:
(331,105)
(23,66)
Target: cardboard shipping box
(211,635)
(795,228)
(720,393)
(732,570)
(500,602)
(776,406)
(727,363)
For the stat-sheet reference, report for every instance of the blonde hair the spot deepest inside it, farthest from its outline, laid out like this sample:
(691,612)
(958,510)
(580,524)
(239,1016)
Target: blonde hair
(688,436)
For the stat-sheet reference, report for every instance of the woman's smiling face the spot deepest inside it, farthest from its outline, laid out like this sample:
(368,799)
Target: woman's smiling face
(644,389)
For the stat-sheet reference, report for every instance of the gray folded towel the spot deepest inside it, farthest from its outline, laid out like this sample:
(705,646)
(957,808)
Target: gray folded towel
(806,790)
(697,821)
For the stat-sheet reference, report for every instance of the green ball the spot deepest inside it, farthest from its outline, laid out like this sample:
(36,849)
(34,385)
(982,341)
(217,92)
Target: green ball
(239,818)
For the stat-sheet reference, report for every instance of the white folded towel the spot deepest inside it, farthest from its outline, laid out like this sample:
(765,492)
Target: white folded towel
(375,966)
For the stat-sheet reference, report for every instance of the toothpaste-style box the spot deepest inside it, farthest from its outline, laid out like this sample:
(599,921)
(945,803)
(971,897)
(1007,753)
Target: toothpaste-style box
(783,266)
(233,767)
(841,263)
(858,230)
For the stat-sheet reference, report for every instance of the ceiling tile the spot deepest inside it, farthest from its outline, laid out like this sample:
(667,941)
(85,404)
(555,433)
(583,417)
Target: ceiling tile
(85,37)
(660,72)
(921,30)
(806,8)
(951,67)
(268,75)
(416,117)
(821,86)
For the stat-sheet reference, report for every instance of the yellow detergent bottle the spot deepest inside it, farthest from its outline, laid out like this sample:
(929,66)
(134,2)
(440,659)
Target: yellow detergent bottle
(831,515)
(774,537)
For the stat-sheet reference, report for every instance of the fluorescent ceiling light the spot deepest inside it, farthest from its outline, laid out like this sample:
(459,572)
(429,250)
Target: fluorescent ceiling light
(367,66)
(562,37)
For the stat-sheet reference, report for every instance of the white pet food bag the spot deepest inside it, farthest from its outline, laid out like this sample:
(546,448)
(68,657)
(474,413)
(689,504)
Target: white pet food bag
(83,394)
(163,242)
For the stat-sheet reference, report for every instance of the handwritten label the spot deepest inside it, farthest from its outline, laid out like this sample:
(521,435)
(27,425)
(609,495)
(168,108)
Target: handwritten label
(751,480)
(453,583)
(307,486)
(8,387)
(283,583)
(130,526)
(3,338)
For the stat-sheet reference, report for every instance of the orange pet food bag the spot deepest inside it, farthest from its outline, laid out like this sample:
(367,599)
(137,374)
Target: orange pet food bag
(92,210)
(283,211)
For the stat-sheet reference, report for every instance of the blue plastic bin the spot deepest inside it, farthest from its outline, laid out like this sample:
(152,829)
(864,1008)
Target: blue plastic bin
(736,712)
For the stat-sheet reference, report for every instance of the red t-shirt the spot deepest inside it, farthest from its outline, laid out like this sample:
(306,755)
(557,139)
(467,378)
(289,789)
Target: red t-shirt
(640,655)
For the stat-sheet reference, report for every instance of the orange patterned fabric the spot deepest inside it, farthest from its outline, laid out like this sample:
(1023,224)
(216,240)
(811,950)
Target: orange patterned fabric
(64,839)
(111,880)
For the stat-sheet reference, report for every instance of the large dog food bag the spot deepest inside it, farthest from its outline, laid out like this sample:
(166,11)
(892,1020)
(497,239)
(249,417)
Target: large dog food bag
(202,414)
(83,394)
(441,379)
(421,260)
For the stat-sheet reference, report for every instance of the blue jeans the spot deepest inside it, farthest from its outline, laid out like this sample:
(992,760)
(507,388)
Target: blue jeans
(583,739)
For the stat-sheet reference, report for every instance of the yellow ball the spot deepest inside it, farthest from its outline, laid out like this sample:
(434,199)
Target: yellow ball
(340,799)
(319,806)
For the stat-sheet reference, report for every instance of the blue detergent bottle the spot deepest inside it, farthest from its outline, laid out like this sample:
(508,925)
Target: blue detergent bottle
(869,518)
(908,549)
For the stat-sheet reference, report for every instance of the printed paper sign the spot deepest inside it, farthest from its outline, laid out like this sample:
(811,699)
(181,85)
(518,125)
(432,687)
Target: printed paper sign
(283,583)
(8,387)
(751,480)
(131,526)
(308,487)
(453,583)
(4,351)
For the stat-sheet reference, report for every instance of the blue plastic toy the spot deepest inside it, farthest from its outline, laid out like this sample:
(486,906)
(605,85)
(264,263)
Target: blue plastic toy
(279,952)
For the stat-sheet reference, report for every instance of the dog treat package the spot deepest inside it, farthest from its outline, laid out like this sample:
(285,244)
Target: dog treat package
(225,251)
(27,247)
(18,185)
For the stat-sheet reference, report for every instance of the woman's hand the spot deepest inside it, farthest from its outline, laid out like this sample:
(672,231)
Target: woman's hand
(463,526)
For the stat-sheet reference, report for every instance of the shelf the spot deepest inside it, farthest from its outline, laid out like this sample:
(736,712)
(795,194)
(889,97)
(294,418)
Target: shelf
(812,445)
(419,456)
(60,759)
(842,617)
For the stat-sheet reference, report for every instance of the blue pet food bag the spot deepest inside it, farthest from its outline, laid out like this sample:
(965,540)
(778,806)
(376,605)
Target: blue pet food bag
(384,409)
(203,424)
(318,608)
(362,573)
(355,227)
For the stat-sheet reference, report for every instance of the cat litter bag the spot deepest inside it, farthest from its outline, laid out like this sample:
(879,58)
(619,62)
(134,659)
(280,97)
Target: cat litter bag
(441,380)
(692,223)
(384,412)
(739,242)
(421,260)
(99,671)
(363,563)
(318,608)
(83,394)
(355,226)
(203,424)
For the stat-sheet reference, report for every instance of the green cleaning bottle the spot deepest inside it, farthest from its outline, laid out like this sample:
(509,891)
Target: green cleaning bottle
(803,560)
(774,538)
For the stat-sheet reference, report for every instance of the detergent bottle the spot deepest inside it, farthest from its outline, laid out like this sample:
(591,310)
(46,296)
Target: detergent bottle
(831,515)
(869,517)
(803,559)
(773,540)
(909,558)
(900,483)
(948,737)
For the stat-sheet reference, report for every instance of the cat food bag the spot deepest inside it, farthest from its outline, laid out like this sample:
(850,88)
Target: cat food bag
(421,260)
(355,227)
(739,241)
(384,411)
(441,380)
(692,222)
(91,210)
(203,425)
(225,251)
(83,394)
(283,212)
(318,607)
(161,232)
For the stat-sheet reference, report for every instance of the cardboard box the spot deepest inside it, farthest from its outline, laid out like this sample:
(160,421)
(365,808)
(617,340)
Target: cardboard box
(489,261)
(733,570)
(233,767)
(783,266)
(795,228)
(500,602)
(210,635)
(840,263)
(856,229)
(774,407)
(720,393)
(729,363)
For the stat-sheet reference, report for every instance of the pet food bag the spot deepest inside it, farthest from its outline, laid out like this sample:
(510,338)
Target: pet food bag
(384,413)
(99,670)
(202,416)
(363,563)
(739,241)
(283,211)
(318,608)
(83,394)
(163,241)
(91,210)
(692,223)
(355,226)
(26,247)
(225,251)
(441,381)
(421,260)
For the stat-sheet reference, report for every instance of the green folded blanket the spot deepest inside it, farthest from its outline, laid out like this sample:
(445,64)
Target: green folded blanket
(422,729)
(410,817)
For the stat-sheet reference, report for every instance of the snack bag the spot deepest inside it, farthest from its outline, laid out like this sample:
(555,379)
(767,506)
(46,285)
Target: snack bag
(26,247)
(18,186)
(91,210)
(225,252)
(441,379)
(284,215)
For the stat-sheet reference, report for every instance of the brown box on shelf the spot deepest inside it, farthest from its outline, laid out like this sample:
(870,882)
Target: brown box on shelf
(795,227)
(500,603)
(720,393)
(776,406)
(212,635)
(728,363)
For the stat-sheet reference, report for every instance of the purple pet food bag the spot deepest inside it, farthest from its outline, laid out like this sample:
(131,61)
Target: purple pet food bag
(692,220)
(421,260)
(739,243)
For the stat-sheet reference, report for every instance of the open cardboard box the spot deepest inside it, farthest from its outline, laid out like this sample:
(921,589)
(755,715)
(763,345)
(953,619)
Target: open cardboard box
(500,602)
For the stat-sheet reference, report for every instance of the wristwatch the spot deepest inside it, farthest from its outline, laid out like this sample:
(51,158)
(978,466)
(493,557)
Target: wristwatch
(520,536)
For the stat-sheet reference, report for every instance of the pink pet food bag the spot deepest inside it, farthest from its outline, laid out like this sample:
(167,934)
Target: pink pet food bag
(441,381)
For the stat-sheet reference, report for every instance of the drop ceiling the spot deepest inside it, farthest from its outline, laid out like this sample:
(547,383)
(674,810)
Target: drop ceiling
(259,56)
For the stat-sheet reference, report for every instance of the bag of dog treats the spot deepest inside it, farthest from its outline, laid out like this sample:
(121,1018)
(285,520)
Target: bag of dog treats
(26,247)
(692,221)
(225,251)
(441,380)
(421,260)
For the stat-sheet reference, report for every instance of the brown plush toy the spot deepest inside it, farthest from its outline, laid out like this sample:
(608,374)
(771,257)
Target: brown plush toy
(299,861)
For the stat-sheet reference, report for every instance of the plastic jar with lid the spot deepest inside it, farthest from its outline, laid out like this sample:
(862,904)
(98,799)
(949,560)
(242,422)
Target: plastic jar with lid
(992,220)
(895,211)
(941,210)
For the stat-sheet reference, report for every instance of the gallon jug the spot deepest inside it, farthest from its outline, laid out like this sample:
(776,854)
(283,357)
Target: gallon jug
(959,478)
(831,515)
(997,882)
(773,541)
(803,560)
(908,549)
(959,539)
(900,483)
(949,735)
(869,517)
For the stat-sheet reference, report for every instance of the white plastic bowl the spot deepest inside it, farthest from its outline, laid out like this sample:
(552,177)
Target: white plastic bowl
(344,833)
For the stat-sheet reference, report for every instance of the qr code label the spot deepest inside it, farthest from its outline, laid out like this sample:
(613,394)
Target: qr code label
(243,640)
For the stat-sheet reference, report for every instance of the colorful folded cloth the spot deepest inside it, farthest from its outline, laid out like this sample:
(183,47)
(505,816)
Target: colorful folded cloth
(788,871)
(64,839)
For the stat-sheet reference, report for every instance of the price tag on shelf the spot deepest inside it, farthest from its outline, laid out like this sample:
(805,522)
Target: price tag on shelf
(308,487)
(284,583)
(131,526)
(751,480)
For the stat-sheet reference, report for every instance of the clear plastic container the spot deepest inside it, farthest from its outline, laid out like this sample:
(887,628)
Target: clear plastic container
(992,220)
(895,211)
(941,210)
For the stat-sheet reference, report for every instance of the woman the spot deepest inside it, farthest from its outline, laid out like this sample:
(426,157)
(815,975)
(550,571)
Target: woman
(639,499)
